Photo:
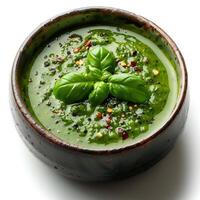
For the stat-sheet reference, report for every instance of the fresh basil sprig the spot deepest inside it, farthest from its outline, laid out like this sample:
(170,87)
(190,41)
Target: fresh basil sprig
(98,82)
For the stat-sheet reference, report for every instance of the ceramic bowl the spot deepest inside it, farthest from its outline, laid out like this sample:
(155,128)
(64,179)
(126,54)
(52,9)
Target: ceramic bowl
(97,165)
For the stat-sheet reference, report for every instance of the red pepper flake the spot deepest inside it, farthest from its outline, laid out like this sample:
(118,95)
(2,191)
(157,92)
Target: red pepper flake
(133,63)
(108,120)
(76,50)
(88,43)
(125,135)
(108,127)
(99,115)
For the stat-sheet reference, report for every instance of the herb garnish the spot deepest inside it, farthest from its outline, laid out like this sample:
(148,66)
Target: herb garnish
(98,82)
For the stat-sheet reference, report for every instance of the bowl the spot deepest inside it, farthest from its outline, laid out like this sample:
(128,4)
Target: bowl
(97,165)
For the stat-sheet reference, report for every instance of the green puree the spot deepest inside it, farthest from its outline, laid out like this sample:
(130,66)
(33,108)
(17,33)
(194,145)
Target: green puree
(110,121)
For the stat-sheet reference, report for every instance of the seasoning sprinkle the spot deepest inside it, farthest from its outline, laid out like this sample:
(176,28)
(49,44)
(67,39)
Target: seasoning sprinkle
(109,127)
(46,63)
(88,43)
(155,72)
(108,120)
(134,53)
(76,50)
(99,135)
(133,63)
(138,69)
(109,110)
(130,108)
(42,82)
(125,135)
(79,62)
(99,115)
(122,63)
(120,130)
(145,60)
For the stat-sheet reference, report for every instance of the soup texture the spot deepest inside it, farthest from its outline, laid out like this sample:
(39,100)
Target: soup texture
(100,87)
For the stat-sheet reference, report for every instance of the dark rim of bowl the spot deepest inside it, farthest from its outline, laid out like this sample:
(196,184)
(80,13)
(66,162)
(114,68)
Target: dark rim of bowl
(55,140)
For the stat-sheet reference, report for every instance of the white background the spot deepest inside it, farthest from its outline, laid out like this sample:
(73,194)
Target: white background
(177,177)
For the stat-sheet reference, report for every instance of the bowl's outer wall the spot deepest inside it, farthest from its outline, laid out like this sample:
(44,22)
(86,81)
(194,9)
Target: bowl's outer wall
(90,165)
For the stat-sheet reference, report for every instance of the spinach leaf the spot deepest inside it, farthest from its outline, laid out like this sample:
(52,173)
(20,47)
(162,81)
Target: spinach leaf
(128,87)
(101,58)
(99,94)
(74,87)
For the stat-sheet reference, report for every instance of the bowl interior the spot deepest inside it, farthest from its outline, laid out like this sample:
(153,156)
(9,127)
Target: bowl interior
(93,16)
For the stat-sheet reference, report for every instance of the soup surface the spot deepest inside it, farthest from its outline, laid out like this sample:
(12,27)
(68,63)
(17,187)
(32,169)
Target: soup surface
(115,116)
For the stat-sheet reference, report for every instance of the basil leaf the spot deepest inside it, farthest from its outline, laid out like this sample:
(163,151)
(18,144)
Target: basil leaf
(99,94)
(73,87)
(128,87)
(101,58)
(105,76)
(94,73)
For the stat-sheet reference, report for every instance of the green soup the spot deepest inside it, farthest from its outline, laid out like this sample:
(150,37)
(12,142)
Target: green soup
(113,122)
